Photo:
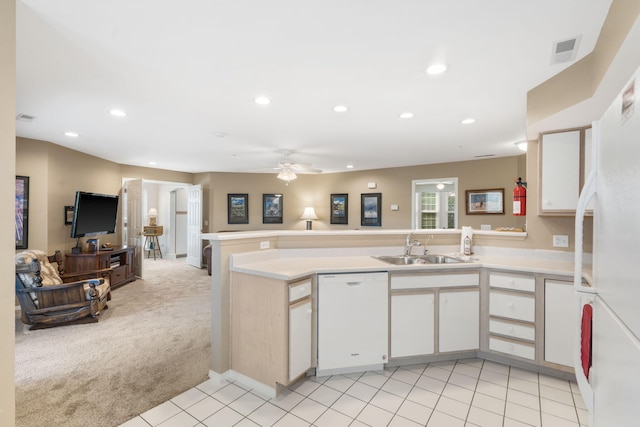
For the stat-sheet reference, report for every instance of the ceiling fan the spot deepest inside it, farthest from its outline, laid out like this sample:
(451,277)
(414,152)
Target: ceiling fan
(287,169)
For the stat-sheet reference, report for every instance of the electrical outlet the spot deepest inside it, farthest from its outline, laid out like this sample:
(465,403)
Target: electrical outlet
(264,245)
(560,241)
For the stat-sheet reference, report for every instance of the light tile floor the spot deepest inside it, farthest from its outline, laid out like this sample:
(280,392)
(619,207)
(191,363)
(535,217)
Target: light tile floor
(465,393)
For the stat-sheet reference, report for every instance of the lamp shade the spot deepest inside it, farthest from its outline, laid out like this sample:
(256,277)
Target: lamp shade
(152,212)
(309,213)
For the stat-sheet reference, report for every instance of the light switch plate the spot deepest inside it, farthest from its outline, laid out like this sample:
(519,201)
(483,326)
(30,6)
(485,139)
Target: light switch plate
(264,245)
(394,207)
(372,185)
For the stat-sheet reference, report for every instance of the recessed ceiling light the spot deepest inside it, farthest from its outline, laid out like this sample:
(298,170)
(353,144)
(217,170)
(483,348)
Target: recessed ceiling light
(349,166)
(340,108)
(522,145)
(406,115)
(71,134)
(152,163)
(262,100)
(468,121)
(117,113)
(436,69)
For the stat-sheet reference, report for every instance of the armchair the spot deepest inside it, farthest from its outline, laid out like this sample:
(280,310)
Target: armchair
(48,296)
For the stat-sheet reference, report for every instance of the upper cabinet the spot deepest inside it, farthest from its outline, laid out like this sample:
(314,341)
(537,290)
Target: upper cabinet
(565,159)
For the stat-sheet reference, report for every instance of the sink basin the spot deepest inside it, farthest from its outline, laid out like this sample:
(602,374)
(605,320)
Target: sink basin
(418,259)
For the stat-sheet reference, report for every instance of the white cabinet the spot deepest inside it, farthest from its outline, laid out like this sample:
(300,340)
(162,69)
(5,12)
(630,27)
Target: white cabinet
(512,314)
(412,323)
(459,320)
(425,305)
(562,167)
(271,326)
(300,324)
(353,322)
(560,314)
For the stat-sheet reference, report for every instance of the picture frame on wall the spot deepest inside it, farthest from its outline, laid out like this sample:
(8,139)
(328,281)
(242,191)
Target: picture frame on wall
(272,208)
(371,209)
(339,208)
(237,208)
(485,202)
(22,212)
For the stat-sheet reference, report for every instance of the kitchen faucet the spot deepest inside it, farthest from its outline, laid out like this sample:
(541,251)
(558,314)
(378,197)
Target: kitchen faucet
(410,244)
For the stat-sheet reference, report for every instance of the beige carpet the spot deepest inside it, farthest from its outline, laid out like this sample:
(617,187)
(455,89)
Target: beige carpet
(152,344)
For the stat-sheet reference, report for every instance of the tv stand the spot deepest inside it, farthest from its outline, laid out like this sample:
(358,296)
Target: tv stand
(120,258)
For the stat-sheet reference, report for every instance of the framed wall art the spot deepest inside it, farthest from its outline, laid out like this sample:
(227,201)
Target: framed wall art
(22,212)
(237,208)
(370,209)
(485,202)
(272,208)
(339,209)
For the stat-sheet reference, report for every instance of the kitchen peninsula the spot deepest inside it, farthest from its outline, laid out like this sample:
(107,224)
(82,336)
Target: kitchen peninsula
(492,306)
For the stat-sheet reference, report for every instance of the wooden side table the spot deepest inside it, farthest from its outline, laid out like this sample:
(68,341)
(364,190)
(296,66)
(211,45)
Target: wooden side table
(151,243)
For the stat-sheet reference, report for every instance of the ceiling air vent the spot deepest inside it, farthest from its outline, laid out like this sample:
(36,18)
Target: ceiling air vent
(565,50)
(25,117)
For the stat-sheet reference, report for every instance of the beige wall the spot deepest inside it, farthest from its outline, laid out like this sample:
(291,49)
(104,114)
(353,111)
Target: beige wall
(7,210)
(56,173)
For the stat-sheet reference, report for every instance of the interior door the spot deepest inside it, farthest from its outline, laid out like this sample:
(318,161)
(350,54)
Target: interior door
(133,221)
(194,225)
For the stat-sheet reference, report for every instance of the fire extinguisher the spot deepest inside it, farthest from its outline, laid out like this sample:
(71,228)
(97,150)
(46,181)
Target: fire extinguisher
(520,198)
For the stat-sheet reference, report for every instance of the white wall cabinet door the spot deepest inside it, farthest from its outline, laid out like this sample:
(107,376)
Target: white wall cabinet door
(560,173)
(559,322)
(299,338)
(459,320)
(412,324)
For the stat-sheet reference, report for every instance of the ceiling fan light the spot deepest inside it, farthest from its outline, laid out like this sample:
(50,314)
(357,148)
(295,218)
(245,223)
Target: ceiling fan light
(287,175)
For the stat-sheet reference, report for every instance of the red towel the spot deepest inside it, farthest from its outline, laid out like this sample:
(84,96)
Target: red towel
(585,338)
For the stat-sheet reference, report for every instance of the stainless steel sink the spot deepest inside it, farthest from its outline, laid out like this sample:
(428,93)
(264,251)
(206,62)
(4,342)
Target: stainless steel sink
(418,259)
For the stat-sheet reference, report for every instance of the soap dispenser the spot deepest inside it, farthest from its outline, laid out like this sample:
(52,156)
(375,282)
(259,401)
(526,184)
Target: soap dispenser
(467,245)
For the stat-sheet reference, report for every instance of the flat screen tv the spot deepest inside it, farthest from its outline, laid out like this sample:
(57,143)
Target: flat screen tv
(94,214)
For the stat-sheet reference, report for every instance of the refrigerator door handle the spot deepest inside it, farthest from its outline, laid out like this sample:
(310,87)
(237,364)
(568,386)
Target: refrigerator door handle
(588,192)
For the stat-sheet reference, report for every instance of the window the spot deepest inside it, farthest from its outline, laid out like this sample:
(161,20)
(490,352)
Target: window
(434,203)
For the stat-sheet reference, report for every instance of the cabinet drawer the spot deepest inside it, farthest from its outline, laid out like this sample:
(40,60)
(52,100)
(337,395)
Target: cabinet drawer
(512,306)
(299,290)
(512,329)
(118,274)
(513,348)
(512,281)
(434,281)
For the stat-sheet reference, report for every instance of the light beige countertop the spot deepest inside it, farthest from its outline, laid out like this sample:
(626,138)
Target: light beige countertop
(292,268)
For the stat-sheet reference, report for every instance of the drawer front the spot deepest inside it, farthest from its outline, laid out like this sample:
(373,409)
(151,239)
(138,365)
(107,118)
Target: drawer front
(434,281)
(299,290)
(512,306)
(512,329)
(524,350)
(512,281)
(119,274)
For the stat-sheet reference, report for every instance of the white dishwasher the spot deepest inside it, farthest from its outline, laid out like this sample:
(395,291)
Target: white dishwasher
(353,322)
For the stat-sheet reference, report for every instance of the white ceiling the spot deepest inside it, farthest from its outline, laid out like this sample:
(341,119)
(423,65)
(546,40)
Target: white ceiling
(186,73)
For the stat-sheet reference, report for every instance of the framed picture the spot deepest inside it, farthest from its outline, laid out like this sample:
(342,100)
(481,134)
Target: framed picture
(22,212)
(68,215)
(370,209)
(339,209)
(237,208)
(272,208)
(485,202)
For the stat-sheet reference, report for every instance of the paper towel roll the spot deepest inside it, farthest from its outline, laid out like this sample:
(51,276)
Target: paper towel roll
(466,232)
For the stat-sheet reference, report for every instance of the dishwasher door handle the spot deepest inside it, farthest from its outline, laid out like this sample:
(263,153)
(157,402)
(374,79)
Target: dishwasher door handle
(354,283)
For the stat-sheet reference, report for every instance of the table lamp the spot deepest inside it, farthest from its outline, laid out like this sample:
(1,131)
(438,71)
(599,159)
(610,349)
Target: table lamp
(309,214)
(152,214)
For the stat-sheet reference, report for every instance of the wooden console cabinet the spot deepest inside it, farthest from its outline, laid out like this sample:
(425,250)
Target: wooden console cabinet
(121,259)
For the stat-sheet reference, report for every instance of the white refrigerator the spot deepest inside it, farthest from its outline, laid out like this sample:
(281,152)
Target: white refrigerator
(608,350)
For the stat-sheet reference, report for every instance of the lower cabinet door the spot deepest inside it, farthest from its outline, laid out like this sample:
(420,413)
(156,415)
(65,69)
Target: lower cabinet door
(459,320)
(412,324)
(299,338)
(560,314)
